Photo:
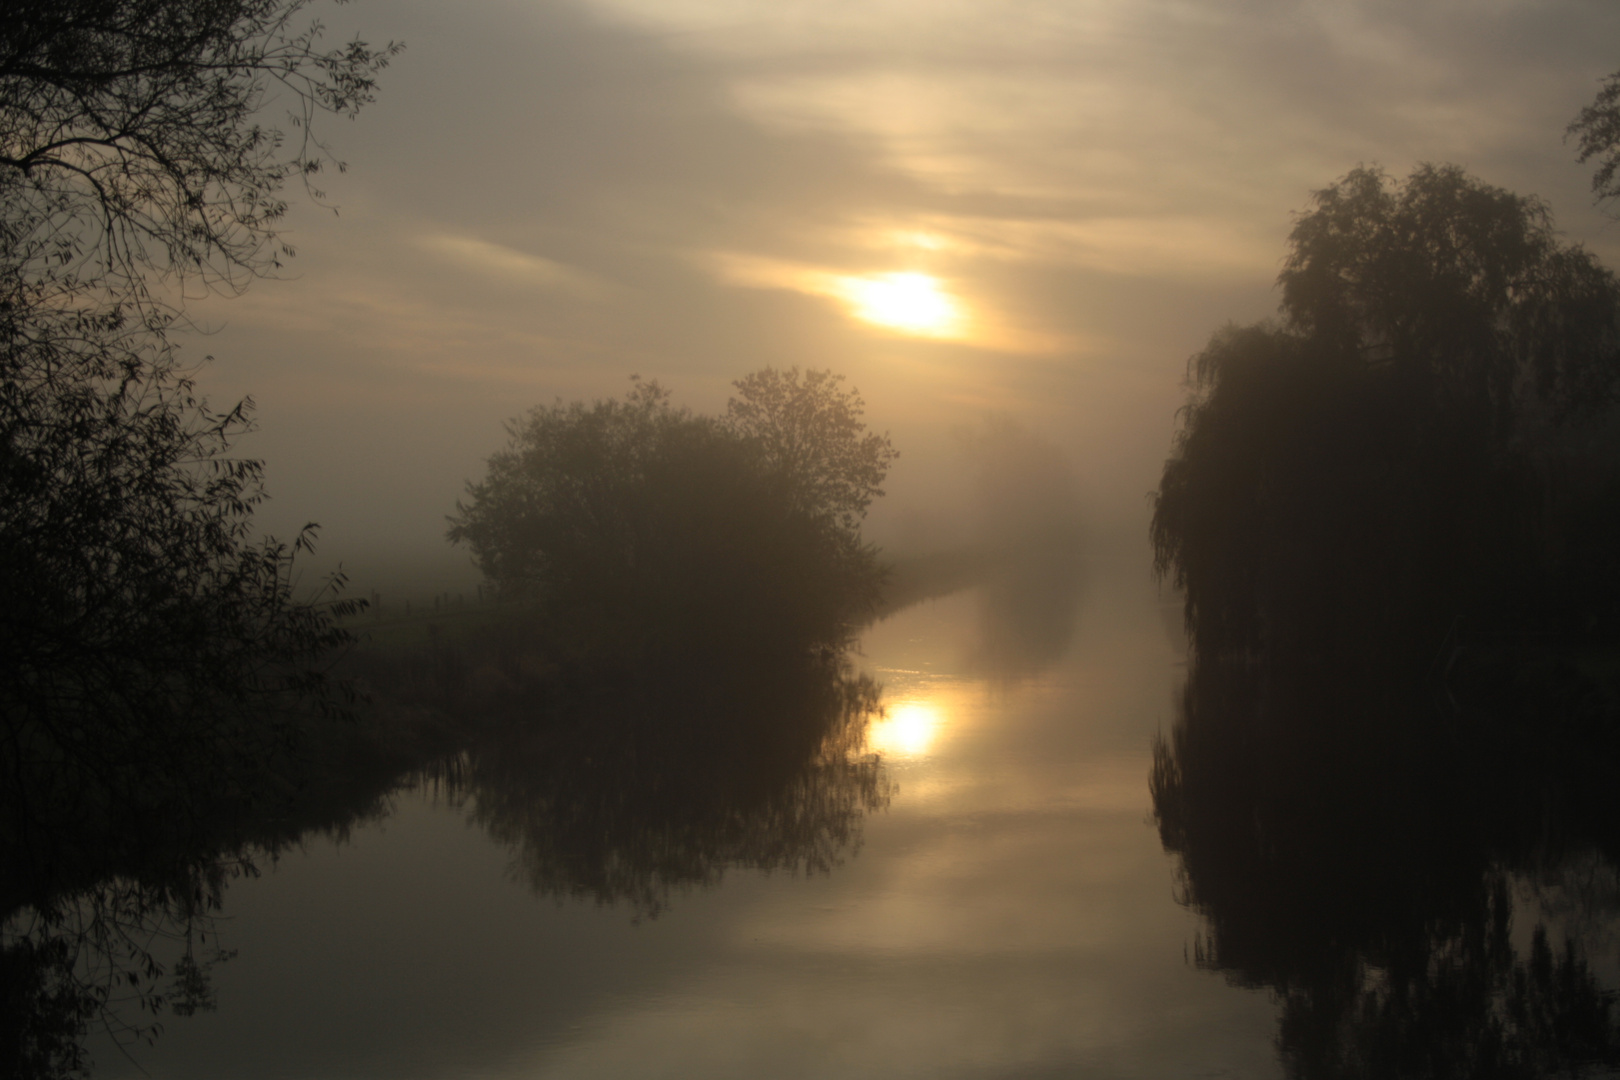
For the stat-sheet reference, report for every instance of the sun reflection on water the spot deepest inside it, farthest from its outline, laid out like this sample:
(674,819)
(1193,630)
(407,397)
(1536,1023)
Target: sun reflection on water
(907,729)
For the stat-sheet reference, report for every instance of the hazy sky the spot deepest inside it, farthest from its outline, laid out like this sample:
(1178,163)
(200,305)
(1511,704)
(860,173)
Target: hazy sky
(1031,207)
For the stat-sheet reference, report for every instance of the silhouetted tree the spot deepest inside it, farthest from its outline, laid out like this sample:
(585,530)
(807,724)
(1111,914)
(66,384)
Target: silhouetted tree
(147,645)
(1396,426)
(1370,503)
(1597,128)
(1463,286)
(134,140)
(149,648)
(639,528)
(811,436)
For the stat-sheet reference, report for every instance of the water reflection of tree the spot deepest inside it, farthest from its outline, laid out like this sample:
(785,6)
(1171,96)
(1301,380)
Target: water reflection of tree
(117,955)
(1355,845)
(623,791)
(111,925)
(632,793)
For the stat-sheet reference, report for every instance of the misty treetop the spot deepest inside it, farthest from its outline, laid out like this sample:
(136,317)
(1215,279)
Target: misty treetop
(811,437)
(641,528)
(1406,444)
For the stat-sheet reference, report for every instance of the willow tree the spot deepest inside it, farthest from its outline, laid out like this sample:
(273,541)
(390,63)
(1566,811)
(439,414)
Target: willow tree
(1381,445)
(1596,129)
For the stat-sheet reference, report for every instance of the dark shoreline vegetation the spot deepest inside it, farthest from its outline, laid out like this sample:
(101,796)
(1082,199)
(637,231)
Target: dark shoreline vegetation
(1391,785)
(157,672)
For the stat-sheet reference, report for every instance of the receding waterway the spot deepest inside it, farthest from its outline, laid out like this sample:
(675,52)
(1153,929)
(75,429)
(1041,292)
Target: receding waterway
(990,896)
(1005,909)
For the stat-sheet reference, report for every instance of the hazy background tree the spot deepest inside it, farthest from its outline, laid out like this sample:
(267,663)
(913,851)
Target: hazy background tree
(640,528)
(811,437)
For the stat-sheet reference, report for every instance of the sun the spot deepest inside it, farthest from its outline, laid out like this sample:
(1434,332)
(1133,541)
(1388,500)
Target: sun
(913,303)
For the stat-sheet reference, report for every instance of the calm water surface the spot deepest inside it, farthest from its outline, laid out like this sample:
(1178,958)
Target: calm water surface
(1011,912)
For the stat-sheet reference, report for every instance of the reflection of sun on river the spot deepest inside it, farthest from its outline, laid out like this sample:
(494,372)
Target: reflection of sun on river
(906,729)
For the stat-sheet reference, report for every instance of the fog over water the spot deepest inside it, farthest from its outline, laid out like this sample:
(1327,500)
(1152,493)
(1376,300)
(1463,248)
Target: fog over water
(1006,908)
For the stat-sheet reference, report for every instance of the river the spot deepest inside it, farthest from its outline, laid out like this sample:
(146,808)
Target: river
(1010,911)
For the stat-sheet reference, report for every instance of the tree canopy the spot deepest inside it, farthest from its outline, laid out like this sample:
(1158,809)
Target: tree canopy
(810,435)
(135,144)
(1463,284)
(1396,428)
(636,525)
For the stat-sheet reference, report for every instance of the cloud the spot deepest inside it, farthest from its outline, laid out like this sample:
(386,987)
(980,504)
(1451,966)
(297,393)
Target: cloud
(507,266)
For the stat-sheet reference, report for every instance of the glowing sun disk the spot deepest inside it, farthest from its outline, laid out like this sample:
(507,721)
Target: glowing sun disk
(904,301)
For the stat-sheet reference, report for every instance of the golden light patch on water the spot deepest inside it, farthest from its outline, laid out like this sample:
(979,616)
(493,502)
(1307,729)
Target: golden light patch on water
(907,729)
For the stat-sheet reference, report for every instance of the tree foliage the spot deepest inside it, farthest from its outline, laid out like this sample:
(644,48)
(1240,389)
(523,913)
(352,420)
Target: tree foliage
(638,526)
(811,436)
(134,139)
(1597,130)
(1462,284)
(1398,425)
(147,642)
(145,637)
